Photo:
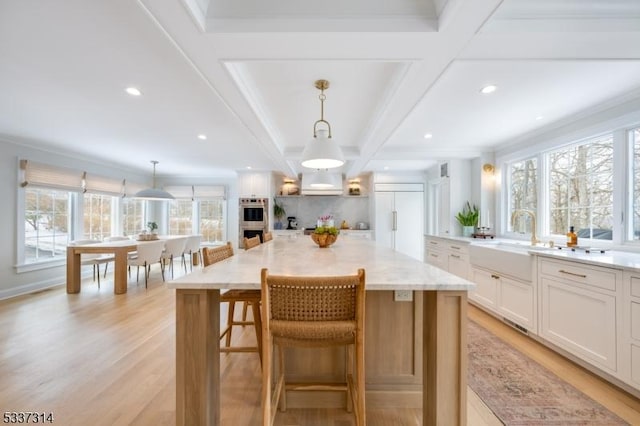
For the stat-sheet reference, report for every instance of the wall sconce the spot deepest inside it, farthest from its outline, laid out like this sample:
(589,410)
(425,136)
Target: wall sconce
(488,168)
(354,187)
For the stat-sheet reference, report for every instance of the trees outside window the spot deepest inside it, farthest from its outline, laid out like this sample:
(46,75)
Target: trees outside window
(211,215)
(47,224)
(523,189)
(98,214)
(180,217)
(133,216)
(634,136)
(580,192)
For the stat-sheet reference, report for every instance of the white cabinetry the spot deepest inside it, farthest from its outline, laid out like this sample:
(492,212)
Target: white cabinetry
(254,184)
(578,310)
(505,284)
(486,292)
(399,217)
(630,329)
(450,255)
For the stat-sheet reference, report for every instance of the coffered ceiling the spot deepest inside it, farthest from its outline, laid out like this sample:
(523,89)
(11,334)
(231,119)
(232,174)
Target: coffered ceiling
(241,72)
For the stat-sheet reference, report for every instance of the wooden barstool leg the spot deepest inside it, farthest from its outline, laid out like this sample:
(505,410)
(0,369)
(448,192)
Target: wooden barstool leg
(232,307)
(257,323)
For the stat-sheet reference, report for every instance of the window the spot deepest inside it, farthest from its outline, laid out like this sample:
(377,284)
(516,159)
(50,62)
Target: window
(132,216)
(634,136)
(180,217)
(211,215)
(581,189)
(523,190)
(98,213)
(47,224)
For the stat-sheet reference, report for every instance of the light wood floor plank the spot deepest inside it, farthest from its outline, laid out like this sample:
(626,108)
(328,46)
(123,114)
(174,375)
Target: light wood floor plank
(100,359)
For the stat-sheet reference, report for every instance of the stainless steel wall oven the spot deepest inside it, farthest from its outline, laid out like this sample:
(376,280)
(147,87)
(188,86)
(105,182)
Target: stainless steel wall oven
(254,218)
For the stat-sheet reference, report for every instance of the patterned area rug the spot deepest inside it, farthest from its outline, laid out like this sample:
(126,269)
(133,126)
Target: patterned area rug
(521,392)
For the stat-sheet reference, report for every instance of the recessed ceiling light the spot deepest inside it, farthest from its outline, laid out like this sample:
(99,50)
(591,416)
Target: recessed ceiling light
(249,167)
(488,89)
(386,167)
(540,117)
(428,135)
(202,137)
(133,91)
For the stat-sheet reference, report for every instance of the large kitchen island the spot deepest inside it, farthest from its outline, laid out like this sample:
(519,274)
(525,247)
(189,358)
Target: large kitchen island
(415,350)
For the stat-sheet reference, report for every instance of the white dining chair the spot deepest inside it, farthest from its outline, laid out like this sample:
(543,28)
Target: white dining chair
(93,259)
(148,253)
(193,246)
(173,249)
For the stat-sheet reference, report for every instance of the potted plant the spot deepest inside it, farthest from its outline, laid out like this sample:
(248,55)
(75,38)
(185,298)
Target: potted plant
(468,218)
(279,213)
(152,227)
(325,233)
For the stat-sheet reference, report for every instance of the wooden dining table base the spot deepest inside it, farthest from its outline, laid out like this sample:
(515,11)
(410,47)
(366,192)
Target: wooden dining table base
(120,251)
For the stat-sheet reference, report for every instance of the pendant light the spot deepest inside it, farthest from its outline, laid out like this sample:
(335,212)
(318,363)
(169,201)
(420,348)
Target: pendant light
(153,193)
(322,152)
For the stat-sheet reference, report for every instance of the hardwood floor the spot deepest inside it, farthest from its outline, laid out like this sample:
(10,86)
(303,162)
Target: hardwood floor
(100,359)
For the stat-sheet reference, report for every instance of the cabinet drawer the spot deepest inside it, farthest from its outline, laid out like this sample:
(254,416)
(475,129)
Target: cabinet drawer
(432,243)
(589,275)
(635,364)
(458,248)
(635,286)
(635,320)
(437,258)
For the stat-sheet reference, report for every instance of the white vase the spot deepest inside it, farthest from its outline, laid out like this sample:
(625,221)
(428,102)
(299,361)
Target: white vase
(467,231)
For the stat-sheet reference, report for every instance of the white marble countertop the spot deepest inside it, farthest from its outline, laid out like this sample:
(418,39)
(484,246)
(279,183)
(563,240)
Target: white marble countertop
(385,269)
(611,258)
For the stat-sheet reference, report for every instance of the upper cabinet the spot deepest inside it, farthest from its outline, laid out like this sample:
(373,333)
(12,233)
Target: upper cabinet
(254,184)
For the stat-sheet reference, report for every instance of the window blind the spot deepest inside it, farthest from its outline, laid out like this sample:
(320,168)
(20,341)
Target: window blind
(103,185)
(196,192)
(44,175)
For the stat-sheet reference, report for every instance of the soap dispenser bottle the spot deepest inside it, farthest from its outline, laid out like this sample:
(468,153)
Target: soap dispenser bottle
(572,238)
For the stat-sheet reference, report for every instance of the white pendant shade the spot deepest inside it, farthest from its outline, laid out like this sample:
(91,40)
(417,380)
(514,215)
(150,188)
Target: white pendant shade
(322,152)
(153,193)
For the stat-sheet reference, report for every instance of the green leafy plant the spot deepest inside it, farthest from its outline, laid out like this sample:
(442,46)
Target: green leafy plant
(278,210)
(326,230)
(152,226)
(469,215)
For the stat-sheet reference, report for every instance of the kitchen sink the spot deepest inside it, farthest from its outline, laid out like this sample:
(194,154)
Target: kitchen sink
(506,257)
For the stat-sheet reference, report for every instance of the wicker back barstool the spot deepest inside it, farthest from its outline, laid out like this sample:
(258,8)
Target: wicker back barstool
(250,243)
(312,312)
(250,297)
(268,236)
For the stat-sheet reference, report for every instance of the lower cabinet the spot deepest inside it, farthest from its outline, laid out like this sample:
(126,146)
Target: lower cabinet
(486,292)
(448,254)
(630,331)
(510,298)
(578,310)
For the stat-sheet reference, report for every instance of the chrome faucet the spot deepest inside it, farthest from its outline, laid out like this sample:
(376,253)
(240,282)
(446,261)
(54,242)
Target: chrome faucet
(531,214)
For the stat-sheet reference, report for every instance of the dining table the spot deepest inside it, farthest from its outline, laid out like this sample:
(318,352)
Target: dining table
(120,250)
(443,300)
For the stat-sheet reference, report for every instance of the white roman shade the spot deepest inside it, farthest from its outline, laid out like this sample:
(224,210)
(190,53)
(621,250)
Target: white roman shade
(196,192)
(95,184)
(44,175)
(132,188)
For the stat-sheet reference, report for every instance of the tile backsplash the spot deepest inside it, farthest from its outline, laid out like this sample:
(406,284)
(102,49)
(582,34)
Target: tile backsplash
(307,209)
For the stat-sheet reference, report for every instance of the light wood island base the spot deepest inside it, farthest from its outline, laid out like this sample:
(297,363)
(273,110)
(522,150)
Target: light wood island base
(397,334)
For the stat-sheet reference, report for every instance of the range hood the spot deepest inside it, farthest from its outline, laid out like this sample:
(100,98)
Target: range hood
(334,178)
